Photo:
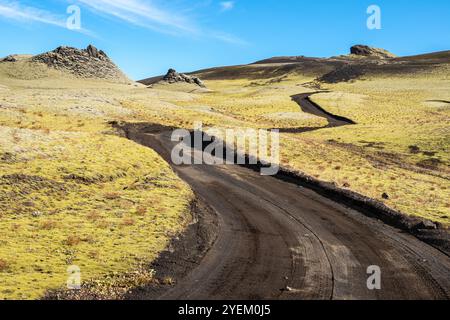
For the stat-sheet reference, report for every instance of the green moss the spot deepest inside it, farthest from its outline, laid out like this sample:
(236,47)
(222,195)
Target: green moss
(73,194)
(78,201)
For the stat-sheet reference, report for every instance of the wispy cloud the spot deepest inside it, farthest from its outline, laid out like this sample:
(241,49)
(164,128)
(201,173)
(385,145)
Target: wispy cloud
(227,5)
(147,14)
(15,11)
(142,14)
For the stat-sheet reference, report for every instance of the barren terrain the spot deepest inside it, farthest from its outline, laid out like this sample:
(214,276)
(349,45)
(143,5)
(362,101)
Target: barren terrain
(74,190)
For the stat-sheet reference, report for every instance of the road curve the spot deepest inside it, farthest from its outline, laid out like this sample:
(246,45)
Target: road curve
(309,106)
(280,241)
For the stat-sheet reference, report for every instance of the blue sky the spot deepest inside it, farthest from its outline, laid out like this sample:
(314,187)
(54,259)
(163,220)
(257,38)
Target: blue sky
(146,37)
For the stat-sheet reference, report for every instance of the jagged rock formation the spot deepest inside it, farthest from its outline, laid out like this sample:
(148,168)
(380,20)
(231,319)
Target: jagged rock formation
(84,63)
(173,76)
(362,50)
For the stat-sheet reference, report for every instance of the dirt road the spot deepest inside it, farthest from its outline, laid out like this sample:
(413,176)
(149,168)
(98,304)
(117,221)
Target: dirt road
(309,106)
(280,241)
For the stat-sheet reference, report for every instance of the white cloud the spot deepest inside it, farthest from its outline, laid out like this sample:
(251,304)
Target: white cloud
(15,11)
(227,5)
(143,14)
(146,14)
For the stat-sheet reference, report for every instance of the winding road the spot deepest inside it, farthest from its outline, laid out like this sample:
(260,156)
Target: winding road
(308,106)
(277,240)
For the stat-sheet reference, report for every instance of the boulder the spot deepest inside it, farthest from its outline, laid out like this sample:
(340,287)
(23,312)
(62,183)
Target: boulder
(426,225)
(173,76)
(92,51)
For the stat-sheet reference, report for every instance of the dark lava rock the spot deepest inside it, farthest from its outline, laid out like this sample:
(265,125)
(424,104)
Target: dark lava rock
(424,224)
(173,76)
(362,50)
(427,225)
(414,149)
(84,63)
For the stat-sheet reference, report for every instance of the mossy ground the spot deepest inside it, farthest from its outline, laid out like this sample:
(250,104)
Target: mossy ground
(398,147)
(73,193)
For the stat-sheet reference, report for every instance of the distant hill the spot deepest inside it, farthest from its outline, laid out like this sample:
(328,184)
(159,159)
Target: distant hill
(361,60)
(89,63)
(16,57)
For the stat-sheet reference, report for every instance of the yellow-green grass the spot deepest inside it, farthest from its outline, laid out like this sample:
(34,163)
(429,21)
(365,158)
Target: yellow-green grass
(399,145)
(26,70)
(96,201)
(410,189)
(397,112)
(73,193)
(258,104)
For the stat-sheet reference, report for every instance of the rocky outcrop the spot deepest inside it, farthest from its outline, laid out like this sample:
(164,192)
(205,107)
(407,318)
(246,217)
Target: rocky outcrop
(173,76)
(366,51)
(84,63)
